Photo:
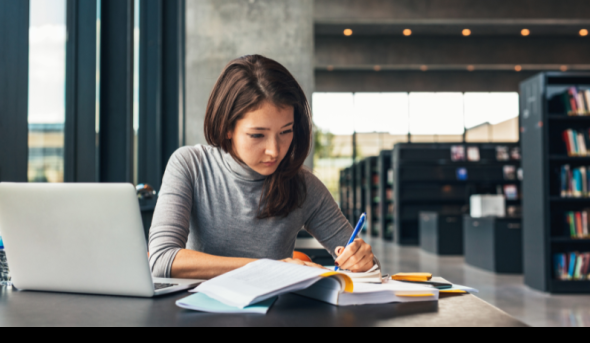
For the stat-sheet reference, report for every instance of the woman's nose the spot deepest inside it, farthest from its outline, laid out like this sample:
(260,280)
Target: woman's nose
(272,148)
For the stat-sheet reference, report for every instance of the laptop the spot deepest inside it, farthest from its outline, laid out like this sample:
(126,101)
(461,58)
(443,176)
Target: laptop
(78,238)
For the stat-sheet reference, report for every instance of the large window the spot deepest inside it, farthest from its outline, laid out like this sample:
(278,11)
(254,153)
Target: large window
(380,120)
(47,61)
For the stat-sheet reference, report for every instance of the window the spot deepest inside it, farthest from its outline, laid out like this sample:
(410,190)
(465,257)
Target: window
(380,120)
(47,56)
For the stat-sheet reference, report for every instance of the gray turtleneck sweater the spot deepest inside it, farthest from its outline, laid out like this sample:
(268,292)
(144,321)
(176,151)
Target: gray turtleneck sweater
(209,202)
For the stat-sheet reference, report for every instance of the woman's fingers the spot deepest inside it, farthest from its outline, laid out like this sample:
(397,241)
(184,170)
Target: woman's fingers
(357,257)
(350,251)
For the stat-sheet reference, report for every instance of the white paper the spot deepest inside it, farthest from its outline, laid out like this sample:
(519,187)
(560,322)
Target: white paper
(259,281)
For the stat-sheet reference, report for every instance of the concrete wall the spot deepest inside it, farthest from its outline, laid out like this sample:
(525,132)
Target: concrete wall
(220,30)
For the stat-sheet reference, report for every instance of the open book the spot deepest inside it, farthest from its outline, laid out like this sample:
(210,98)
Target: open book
(265,279)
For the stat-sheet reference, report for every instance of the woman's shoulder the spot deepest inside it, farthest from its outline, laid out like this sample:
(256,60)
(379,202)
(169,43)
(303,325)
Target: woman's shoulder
(191,157)
(315,187)
(195,153)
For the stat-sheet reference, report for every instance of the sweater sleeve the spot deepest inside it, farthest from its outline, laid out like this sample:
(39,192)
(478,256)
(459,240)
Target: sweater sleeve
(171,222)
(325,220)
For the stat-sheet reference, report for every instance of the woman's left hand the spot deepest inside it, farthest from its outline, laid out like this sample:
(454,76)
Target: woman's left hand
(357,257)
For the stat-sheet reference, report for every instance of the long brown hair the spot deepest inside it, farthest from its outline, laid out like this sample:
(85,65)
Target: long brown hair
(243,86)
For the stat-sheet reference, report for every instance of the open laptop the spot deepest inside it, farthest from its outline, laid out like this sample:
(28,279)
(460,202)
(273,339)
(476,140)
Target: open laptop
(78,238)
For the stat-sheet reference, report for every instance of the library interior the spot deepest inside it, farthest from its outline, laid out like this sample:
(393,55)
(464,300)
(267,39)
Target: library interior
(452,137)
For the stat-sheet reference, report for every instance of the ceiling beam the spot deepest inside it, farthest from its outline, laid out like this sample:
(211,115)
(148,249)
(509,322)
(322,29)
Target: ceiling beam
(450,9)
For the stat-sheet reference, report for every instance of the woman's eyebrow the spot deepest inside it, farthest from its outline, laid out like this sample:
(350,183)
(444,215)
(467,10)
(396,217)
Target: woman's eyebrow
(267,129)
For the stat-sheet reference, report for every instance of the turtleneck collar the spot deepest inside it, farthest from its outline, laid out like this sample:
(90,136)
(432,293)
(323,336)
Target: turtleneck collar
(240,170)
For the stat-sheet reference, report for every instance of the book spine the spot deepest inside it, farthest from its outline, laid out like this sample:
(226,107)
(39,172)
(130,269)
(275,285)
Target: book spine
(572,222)
(585,223)
(586,269)
(584,181)
(587,96)
(581,144)
(572,265)
(570,192)
(567,142)
(579,227)
(579,265)
(563,182)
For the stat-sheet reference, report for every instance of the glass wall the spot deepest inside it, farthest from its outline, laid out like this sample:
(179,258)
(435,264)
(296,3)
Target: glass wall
(47,60)
(381,120)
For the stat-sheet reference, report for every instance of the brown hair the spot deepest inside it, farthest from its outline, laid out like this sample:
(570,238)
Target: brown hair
(243,86)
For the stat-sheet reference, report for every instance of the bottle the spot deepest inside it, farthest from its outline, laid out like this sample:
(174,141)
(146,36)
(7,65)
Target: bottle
(4,272)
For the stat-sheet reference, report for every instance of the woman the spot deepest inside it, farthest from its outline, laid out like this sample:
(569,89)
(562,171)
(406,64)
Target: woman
(246,196)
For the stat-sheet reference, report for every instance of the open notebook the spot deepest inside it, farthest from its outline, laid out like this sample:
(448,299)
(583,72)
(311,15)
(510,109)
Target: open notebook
(265,279)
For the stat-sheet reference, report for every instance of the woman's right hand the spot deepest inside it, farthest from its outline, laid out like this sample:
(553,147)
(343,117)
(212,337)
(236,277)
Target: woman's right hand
(303,263)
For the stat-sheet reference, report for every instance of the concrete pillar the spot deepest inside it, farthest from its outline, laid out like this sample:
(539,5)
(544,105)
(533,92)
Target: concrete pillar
(221,30)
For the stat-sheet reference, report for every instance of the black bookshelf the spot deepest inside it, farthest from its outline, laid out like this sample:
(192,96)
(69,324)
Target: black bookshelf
(373,199)
(543,119)
(386,208)
(347,199)
(426,180)
(361,185)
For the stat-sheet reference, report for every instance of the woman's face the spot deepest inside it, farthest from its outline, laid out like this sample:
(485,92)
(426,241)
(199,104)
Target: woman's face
(262,138)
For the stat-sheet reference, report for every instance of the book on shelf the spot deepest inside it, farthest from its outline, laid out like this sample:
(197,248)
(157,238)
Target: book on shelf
(509,172)
(515,154)
(576,102)
(502,153)
(511,192)
(575,182)
(473,154)
(577,224)
(458,153)
(573,266)
(577,142)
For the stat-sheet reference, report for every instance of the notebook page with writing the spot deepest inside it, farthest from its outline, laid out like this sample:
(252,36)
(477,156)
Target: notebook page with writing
(259,281)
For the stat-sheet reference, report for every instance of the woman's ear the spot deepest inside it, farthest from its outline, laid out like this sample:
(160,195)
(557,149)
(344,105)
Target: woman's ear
(230,135)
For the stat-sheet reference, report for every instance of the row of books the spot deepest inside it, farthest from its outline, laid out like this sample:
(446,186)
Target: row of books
(577,224)
(577,102)
(572,266)
(472,154)
(577,142)
(575,182)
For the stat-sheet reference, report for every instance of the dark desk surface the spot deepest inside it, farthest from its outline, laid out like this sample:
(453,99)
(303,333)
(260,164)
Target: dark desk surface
(49,309)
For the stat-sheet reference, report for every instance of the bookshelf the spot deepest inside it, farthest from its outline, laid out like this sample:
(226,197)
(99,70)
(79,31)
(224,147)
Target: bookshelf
(346,193)
(426,180)
(373,199)
(543,120)
(385,168)
(361,185)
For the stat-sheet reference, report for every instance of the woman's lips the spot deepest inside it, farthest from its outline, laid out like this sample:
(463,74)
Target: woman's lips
(269,164)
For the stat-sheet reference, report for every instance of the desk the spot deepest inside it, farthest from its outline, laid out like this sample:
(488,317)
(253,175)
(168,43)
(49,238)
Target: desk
(48,309)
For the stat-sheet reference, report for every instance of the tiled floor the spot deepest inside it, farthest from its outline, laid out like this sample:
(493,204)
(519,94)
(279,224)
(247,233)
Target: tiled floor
(507,292)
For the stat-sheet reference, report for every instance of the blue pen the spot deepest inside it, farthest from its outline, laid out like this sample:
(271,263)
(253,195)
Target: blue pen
(358,228)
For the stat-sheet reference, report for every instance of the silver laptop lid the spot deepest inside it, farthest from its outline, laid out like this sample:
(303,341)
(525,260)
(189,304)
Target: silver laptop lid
(80,238)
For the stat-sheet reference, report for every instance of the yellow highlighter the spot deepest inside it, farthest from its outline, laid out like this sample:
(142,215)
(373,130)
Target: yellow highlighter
(413,277)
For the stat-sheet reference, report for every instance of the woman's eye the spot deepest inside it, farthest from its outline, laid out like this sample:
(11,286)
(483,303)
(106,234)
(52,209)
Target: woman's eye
(287,132)
(257,136)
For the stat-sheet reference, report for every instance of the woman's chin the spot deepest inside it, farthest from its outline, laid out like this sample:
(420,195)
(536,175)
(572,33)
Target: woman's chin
(264,170)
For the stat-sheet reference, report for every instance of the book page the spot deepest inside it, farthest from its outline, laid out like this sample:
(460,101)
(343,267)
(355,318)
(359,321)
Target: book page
(257,280)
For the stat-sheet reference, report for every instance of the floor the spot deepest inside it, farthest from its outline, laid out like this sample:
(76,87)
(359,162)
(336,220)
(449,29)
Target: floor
(506,292)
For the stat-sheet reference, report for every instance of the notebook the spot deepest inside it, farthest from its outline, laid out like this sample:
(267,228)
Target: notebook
(265,279)
(371,276)
(370,294)
(201,302)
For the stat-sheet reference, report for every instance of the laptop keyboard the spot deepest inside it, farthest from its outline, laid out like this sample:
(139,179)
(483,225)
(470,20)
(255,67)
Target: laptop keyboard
(160,286)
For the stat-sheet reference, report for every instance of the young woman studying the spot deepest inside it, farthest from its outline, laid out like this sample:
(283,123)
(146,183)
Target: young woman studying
(246,195)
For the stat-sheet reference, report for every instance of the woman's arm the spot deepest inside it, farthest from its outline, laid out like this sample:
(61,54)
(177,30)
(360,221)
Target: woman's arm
(197,265)
(329,226)
(190,264)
